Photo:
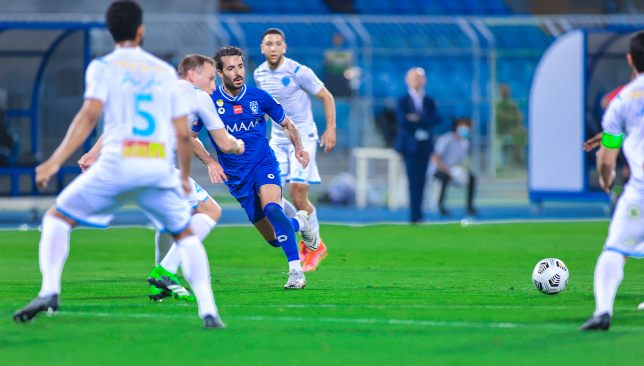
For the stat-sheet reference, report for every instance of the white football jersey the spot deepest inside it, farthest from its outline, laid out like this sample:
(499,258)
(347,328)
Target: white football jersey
(625,114)
(201,106)
(140,97)
(291,83)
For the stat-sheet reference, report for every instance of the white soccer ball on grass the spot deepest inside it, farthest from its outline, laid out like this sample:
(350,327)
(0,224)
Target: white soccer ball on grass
(550,276)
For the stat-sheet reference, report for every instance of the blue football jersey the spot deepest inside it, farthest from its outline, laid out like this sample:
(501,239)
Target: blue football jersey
(243,117)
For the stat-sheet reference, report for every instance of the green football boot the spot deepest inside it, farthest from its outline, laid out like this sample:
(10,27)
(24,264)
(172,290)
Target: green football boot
(167,284)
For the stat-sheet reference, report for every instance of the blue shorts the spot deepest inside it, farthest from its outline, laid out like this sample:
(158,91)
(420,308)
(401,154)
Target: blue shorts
(246,192)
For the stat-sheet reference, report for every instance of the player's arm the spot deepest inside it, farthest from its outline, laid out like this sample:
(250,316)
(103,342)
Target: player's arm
(226,142)
(81,126)
(294,136)
(607,159)
(215,171)
(184,150)
(328,138)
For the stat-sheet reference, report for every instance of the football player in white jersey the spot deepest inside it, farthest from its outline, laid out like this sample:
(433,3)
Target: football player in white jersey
(292,84)
(196,73)
(145,118)
(623,126)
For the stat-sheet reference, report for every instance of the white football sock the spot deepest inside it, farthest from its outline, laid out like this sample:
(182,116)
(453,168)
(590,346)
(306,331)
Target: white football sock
(201,225)
(172,260)
(608,275)
(289,209)
(197,273)
(295,265)
(163,243)
(52,253)
(313,220)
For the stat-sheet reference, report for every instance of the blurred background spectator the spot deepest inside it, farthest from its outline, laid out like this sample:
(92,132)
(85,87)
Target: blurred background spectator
(448,166)
(416,115)
(511,133)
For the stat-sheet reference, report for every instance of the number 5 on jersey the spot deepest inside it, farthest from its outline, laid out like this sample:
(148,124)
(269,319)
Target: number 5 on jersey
(139,99)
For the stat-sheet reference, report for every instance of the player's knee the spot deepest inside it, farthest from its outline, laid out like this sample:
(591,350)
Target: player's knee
(55,213)
(273,211)
(210,208)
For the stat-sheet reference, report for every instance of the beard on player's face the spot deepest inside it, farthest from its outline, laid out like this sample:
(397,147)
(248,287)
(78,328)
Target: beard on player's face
(274,61)
(234,82)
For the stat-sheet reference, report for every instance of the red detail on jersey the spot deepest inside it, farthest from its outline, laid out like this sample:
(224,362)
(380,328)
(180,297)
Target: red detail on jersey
(237,109)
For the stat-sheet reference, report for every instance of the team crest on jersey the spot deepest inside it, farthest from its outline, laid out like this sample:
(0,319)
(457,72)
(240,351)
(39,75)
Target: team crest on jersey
(286,80)
(220,103)
(254,107)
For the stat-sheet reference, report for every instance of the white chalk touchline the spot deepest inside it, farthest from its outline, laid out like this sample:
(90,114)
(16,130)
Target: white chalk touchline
(394,322)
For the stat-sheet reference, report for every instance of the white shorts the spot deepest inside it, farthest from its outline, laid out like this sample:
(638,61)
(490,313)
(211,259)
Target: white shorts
(626,232)
(291,169)
(91,200)
(197,195)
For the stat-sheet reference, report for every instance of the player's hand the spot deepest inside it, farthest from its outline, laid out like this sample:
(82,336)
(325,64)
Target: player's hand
(86,161)
(216,172)
(593,142)
(44,172)
(185,184)
(241,147)
(302,156)
(327,141)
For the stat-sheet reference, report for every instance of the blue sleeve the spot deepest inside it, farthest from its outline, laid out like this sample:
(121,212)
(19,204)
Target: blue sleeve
(197,125)
(272,107)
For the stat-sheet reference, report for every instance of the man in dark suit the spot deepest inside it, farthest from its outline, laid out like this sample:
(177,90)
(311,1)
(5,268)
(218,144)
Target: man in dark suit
(416,115)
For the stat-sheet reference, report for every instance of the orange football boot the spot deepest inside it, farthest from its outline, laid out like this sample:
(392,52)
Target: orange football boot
(303,251)
(314,258)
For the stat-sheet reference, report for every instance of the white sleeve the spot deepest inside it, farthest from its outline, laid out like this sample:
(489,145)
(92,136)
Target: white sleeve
(613,121)
(308,80)
(95,81)
(180,102)
(206,112)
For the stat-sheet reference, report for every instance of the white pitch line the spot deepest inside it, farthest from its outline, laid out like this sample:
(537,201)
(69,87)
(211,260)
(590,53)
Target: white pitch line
(370,321)
(463,223)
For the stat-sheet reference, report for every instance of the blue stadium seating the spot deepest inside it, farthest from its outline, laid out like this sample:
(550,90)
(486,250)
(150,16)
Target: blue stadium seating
(385,7)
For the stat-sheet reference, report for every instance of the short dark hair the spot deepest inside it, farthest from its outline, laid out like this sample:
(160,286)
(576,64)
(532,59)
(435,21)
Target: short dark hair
(273,31)
(123,18)
(226,51)
(637,51)
(461,120)
(192,62)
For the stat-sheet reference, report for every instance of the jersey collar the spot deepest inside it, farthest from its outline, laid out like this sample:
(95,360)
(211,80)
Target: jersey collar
(230,97)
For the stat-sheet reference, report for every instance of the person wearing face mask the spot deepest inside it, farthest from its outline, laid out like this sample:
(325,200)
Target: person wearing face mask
(416,116)
(447,165)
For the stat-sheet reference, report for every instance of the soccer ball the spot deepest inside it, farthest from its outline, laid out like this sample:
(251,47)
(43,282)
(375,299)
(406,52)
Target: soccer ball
(550,276)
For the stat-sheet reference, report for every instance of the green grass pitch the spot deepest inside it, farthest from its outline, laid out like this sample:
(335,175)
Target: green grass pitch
(437,294)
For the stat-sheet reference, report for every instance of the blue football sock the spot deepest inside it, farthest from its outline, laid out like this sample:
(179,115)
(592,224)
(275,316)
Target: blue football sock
(283,230)
(273,243)
(295,223)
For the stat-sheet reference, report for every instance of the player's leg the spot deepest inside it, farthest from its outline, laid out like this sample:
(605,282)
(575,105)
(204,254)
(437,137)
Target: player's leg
(72,206)
(270,196)
(300,196)
(290,211)
(205,216)
(299,179)
(52,253)
(625,238)
(173,214)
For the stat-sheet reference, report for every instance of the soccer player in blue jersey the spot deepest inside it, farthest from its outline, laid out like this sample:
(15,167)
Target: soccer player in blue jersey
(253,178)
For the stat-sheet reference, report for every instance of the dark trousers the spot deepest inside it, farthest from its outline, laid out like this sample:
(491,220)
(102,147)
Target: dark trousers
(416,167)
(445,179)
